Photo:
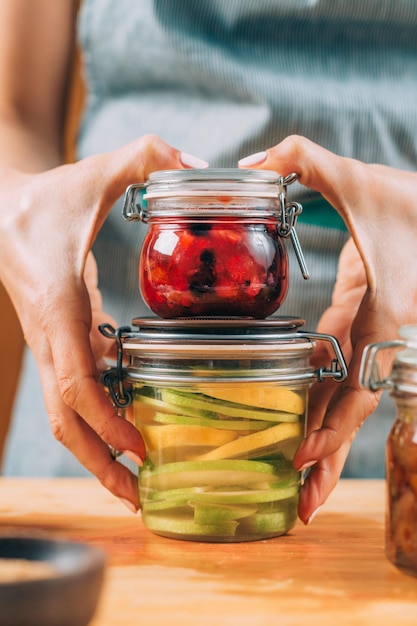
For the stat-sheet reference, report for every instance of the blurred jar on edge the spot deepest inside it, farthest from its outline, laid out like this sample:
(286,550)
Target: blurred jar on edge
(401,448)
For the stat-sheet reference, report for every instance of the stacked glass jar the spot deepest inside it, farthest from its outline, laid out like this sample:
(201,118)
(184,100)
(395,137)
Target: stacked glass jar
(219,385)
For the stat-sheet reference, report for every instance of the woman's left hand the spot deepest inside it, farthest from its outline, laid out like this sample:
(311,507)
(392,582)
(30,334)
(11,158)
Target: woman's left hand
(375,294)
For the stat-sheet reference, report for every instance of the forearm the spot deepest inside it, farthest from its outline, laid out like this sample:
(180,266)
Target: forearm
(36,52)
(22,148)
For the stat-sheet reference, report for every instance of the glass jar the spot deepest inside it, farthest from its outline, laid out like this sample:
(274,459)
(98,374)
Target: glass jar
(221,405)
(215,243)
(401,448)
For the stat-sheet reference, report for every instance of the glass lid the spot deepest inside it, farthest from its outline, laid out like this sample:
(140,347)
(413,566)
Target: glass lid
(233,329)
(212,181)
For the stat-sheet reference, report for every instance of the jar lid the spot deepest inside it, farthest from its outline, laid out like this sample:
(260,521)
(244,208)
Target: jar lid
(169,350)
(214,182)
(230,335)
(403,377)
(215,329)
(409,334)
(227,336)
(166,349)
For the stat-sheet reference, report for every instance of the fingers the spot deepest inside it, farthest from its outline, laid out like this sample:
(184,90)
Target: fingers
(372,299)
(55,218)
(350,404)
(111,173)
(88,438)
(347,409)
(81,415)
(325,449)
(80,196)
(76,376)
(320,482)
(319,398)
(364,195)
(93,453)
(316,167)
(337,320)
(334,421)
(100,345)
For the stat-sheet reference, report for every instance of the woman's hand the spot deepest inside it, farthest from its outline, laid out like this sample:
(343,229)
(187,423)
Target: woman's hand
(348,292)
(378,205)
(48,222)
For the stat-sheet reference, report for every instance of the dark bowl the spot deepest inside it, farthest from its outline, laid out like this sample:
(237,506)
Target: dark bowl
(67,597)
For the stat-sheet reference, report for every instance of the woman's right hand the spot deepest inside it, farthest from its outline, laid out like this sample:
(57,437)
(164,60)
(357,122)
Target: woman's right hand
(48,223)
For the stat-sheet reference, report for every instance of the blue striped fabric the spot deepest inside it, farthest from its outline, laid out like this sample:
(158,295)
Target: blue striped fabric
(222,79)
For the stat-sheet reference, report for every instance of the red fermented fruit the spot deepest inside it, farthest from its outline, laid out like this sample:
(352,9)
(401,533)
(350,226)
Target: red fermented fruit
(213,269)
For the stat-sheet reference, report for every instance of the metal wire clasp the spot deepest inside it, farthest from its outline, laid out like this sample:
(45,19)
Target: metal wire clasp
(369,372)
(114,377)
(132,208)
(338,369)
(289,214)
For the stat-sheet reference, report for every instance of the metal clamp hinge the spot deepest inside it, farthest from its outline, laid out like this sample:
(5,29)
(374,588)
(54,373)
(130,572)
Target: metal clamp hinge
(289,215)
(338,370)
(132,208)
(114,377)
(369,372)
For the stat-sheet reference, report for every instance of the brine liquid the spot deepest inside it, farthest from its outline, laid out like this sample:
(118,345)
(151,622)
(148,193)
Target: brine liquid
(218,469)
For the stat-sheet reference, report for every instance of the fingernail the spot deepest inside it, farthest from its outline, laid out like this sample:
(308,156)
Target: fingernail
(190,160)
(129,505)
(134,457)
(253,159)
(307,465)
(313,515)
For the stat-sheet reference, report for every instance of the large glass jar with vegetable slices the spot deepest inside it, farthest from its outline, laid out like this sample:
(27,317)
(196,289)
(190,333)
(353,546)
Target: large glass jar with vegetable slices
(215,244)
(401,448)
(221,405)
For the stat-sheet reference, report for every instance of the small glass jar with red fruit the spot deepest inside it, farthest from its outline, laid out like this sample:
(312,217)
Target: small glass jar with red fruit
(215,243)
(401,448)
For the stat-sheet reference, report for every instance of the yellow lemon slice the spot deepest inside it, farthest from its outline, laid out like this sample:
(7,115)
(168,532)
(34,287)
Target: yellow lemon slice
(255,441)
(158,437)
(273,398)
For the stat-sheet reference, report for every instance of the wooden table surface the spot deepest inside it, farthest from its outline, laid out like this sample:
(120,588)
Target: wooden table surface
(333,572)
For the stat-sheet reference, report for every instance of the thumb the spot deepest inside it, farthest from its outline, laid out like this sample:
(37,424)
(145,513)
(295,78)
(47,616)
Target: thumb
(316,168)
(134,162)
(102,179)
